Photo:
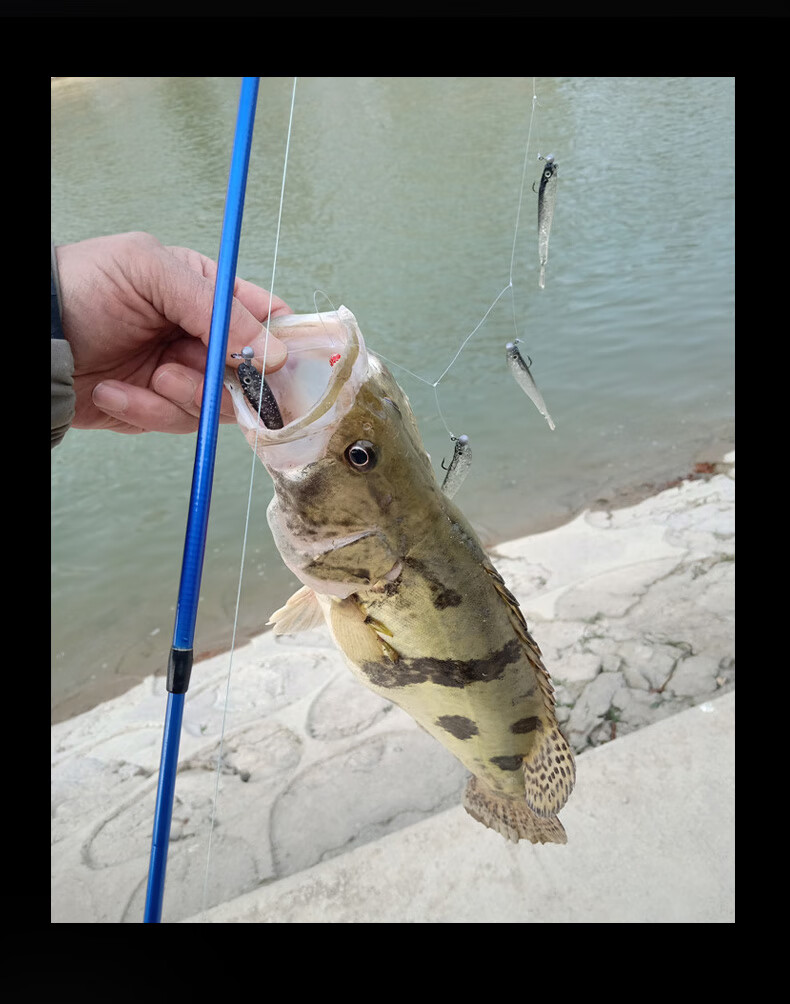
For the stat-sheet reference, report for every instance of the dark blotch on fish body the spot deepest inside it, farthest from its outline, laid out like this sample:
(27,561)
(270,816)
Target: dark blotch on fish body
(458,726)
(447,598)
(524,725)
(441,596)
(443,672)
(507,762)
(303,499)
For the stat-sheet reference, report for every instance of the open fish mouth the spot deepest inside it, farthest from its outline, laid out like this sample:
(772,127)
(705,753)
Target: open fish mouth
(326,365)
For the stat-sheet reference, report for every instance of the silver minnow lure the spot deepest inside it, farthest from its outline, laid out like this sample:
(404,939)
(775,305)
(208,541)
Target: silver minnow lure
(459,466)
(525,380)
(258,392)
(547,196)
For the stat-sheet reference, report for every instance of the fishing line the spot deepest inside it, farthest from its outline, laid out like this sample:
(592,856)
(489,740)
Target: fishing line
(523,180)
(431,383)
(435,383)
(326,296)
(248,511)
(508,287)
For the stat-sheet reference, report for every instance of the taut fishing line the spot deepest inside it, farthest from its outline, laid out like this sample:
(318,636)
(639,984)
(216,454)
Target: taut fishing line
(249,507)
(509,287)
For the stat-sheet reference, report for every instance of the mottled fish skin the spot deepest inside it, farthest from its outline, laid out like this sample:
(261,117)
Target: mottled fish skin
(421,614)
(547,196)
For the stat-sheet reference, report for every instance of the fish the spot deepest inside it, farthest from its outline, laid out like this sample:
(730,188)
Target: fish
(459,466)
(525,380)
(547,196)
(395,570)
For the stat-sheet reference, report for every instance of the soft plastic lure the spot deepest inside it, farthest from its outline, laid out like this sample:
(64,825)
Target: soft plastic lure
(459,466)
(257,391)
(547,196)
(525,380)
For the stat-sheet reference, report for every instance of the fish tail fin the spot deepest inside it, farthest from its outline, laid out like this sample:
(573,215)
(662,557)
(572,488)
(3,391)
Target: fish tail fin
(511,817)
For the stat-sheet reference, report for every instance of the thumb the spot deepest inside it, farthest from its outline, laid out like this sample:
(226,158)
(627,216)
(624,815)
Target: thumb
(187,298)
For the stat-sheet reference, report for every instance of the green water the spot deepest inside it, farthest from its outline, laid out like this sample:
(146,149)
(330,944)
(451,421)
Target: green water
(401,202)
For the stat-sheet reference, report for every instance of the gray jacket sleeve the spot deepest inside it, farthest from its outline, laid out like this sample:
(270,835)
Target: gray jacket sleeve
(62,397)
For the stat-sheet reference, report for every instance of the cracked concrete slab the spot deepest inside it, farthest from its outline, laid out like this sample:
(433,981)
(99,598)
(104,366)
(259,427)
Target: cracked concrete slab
(634,611)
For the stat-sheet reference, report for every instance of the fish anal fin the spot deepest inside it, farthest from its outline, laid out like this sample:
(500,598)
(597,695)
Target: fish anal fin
(301,612)
(511,817)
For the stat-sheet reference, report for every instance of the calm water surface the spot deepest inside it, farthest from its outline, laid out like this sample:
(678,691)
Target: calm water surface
(401,202)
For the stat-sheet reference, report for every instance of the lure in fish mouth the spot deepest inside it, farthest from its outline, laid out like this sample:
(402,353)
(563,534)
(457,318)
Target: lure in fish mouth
(395,570)
(300,402)
(257,391)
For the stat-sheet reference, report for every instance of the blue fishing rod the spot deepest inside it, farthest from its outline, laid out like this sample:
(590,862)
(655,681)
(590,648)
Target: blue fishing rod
(180,663)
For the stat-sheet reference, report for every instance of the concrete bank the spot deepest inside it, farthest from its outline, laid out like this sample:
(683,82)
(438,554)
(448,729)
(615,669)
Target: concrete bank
(650,840)
(634,612)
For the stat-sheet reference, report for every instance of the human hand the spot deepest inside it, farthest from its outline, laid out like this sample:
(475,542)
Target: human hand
(137,316)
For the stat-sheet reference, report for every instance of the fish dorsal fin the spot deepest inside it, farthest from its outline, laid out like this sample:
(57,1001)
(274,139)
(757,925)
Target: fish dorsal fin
(520,625)
(301,612)
(549,770)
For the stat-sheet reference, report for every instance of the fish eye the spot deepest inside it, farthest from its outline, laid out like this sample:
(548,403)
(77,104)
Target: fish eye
(361,455)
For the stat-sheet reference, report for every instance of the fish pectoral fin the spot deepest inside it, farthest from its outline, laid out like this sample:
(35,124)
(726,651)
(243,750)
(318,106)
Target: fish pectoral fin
(356,636)
(511,817)
(301,612)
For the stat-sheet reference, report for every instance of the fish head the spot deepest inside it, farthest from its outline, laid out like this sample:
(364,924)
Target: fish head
(325,366)
(348,465)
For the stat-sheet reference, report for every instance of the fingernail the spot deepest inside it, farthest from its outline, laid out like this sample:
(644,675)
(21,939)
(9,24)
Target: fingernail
(110,398)
(175,386)
(276,352)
